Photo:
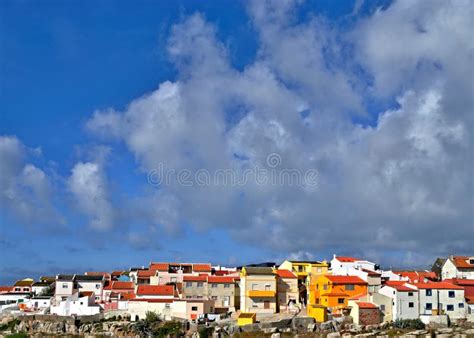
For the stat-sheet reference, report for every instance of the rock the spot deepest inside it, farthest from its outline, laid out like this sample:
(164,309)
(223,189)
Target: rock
(312,327)
(276,335)
(446,330)
(469,332)
(251,328)
(301,323)
(270,330)
(333,335)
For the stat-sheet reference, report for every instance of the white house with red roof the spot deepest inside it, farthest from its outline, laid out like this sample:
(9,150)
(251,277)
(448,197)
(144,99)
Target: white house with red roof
(441,298)
(343,265)
(458,267)
(405,299)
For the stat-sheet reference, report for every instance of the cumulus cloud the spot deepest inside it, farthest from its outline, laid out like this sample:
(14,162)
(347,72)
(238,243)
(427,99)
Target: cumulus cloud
(401,184)
(26,191)
(88,184)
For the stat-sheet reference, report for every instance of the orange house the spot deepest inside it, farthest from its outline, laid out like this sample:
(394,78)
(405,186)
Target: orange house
(335,291)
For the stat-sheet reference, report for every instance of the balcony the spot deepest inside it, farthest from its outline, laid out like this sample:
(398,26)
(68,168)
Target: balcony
(260,293)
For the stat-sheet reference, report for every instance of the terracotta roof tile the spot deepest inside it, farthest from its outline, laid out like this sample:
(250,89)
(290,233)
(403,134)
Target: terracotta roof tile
(221,279)
(400,286)
(146,273)
(202,267)
(194,278)
(159,266)
(282,273)
(462,262)
(157,290)
(345,259)
(438,286)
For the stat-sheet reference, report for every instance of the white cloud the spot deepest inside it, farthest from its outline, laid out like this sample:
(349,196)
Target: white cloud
(25,190)
(88,184)
(396,185)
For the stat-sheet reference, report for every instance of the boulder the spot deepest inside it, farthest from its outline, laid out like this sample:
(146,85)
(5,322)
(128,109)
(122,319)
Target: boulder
(333,335)
(251,328)
(276,335)
(301,323)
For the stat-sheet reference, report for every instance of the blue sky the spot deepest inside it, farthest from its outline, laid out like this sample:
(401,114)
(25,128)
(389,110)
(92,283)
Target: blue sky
(67,65)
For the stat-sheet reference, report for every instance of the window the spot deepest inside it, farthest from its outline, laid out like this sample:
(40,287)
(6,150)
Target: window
(411,304)
(97,297)
(214,285)
(189,284)
(451,294)
(97,286)
(340,300)
(350,287)
(317,300)
(382,307)
(429,306)
(450,308)
(471,261)
(25,289)
(226,286)
(325,286)
(428,292)
(214,297)
(267,287)
(64,286)
(461,305)
(82,303)
(410,294)
(17,289)
(200,284)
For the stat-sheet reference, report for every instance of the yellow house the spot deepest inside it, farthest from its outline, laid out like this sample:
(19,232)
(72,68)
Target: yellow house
(258,290)
(334,292)
(305,271)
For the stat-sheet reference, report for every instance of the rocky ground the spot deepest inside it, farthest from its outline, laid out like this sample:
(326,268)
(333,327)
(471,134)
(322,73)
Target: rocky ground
(287,327)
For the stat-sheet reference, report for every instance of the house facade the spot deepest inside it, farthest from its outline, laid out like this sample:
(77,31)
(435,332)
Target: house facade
(458,267)
(287,287)
(258,290)
(334,292)
(405,299)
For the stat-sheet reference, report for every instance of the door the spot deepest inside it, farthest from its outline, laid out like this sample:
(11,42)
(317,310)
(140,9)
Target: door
(266,304)
(226,301)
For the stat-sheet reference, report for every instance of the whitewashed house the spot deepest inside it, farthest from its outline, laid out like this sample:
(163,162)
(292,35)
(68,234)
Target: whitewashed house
(458,267)
(94,283)
(405,299)
(343,266)
(79,304)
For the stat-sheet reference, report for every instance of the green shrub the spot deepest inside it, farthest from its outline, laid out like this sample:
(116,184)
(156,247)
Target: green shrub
(409,324)
(205,332)
(151,317)
(167,328)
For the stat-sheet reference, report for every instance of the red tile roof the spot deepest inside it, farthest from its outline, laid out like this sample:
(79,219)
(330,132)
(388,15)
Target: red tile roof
(202,267)
(345,279)
(157,290)
(460,281)
(5,288)
(400,286)
(345,259)
(117,273)
(194,278)
(153,300)
(282,273)
(470,300)
(127,296)
(146,273)
(366,305)
(438,285)
(417,276)
(119,285)
(221,279)
(159,266)
(462,262)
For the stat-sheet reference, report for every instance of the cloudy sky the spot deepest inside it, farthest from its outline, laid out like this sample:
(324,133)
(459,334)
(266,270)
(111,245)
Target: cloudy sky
(100,100)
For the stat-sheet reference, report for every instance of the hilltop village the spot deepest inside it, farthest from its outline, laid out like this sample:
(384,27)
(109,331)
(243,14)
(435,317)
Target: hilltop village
(202,294)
